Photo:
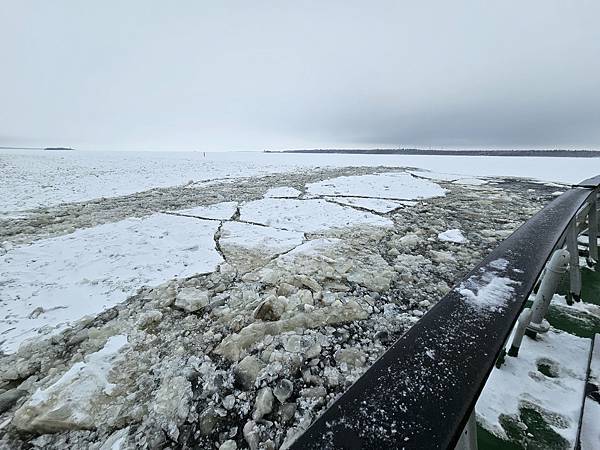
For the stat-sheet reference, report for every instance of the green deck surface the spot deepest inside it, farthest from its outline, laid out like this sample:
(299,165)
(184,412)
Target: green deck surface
(530,431)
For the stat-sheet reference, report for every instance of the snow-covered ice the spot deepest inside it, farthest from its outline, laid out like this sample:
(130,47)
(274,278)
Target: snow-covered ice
(401,186)
(440,176)
(374,204)
(307,215)
(71,399)
(251,236)
(519,383)
(216,211)
(54,281)
(456,236)
(246,245)
(282,192)
(31,179)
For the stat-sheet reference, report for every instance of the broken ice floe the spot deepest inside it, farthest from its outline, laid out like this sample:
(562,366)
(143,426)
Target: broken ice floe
(71,400)
(389,185)
(283,192)
(247,246)
(374,204)
(216,211)
(456,236)
(307,215)
(54,281)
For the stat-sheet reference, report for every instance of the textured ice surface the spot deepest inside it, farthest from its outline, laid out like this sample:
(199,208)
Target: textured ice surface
(519,383)
(282,191)
(71,400)
(247,246)
(248,236)
(373,204)
(54,281)
(454,235)
(389,185)
(307,215)
(217,211)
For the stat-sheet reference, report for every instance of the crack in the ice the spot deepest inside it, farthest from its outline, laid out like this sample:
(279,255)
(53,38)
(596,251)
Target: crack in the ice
(217,237)
(364,209)
(371,197)
(172,213)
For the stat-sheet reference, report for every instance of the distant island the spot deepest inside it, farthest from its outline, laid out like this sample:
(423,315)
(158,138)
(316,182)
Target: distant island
(36,148)
(558,153)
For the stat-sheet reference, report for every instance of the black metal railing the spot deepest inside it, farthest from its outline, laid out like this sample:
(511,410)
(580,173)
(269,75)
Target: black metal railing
(422,391)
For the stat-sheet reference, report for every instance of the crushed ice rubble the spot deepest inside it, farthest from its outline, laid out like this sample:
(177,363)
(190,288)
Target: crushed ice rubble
(246,356)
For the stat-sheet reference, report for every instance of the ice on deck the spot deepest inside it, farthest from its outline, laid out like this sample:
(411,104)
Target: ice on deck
(520,384)
(54,281)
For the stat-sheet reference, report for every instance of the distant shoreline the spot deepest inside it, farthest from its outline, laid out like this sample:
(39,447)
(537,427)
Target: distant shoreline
(37,148)
(418,152)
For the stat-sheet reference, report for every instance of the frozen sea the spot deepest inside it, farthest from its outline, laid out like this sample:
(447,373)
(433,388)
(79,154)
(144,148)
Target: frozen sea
(32,179)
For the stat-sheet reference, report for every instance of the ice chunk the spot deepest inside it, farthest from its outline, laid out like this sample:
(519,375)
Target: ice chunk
(73,401)
(282,191)
(374,204)
(453,235)
(401,186)
(217,211)
(307,215)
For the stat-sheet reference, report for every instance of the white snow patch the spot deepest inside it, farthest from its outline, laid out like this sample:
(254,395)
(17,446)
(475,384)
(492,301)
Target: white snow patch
(400,185)
(584,307)
(519,383)
(488,291)
(282,191)
(84,379)
(499,264)
(216,211)
(250,236)
(373,204)
(307,215)
(54,281)
(455,235)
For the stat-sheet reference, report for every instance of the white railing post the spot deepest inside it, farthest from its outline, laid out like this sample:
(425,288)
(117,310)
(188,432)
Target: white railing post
(574,272)
(593,230)
(468,438)
(531,321)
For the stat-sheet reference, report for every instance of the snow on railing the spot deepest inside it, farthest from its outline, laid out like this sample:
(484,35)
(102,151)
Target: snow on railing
(422,392)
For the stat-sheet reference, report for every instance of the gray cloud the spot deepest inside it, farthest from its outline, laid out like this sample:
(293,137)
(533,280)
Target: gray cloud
(267,74)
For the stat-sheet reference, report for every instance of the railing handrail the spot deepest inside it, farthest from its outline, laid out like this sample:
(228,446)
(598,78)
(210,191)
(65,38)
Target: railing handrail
(421,391)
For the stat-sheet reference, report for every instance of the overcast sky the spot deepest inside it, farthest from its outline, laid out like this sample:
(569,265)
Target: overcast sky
(236,75)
